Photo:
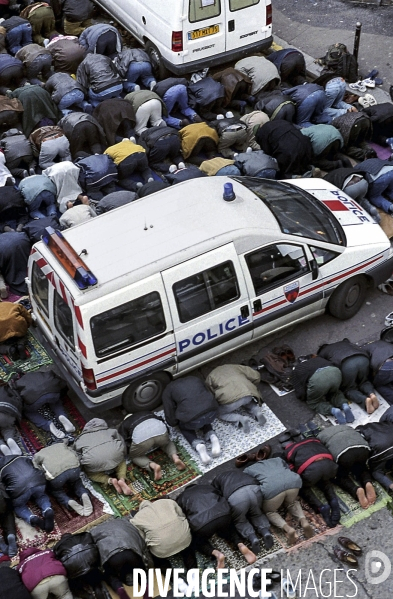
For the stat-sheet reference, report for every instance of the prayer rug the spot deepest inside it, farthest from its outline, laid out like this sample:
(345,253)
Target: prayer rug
(143,485)
(37,356)
(352,512)
(232,439)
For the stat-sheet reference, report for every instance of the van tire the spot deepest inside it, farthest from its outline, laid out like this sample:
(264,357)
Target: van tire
(145,393)
(348,298)
(159,69)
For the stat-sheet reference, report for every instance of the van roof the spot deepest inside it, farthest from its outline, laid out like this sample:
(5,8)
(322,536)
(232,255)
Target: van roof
(159,231)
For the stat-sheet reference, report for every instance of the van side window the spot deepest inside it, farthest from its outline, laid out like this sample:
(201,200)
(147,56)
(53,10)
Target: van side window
(239,4)
(127,324)
(40,288)
(204,9)
(63,319)
(206,291)
(322,255)
(276,264)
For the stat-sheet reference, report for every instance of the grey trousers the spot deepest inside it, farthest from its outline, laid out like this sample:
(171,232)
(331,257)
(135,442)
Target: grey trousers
(228,412)
(138,451)
(246,509)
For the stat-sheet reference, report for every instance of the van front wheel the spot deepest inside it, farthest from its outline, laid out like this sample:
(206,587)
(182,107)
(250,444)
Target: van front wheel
(145,393)
(159,69)
(348,298)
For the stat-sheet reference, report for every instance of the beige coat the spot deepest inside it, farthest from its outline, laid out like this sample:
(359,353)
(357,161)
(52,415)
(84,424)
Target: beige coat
(164,527)
(232,382)
(55,459)
(14,321)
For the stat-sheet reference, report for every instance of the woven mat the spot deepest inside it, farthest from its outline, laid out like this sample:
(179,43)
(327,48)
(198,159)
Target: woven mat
(352,512)
(233,441)
(37,356)
(144,487)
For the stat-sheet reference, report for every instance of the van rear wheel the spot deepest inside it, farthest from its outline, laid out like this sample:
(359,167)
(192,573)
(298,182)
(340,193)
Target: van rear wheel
(348,298)
(145,393)
(159,69)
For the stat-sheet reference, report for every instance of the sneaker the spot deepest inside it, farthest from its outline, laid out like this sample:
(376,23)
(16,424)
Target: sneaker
(358,87)
(368,83)
(370,99)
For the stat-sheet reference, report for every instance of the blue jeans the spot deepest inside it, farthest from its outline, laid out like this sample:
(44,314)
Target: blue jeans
(378,472)
(70,477)
(177,95)
(32,414)
(75,96)
(138,70)
(311,108)
(38,495)
(267,173)
(45,200)
(383,381)
(19,36)
(382,185)
(110,92)
(231,169)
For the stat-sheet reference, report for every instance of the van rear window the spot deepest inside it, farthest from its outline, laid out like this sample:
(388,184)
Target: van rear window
(40,288)
(204,9)
(127,324)
(239,4)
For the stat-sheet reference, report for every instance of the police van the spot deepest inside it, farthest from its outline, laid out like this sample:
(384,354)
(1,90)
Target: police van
(158,287)
(188,35)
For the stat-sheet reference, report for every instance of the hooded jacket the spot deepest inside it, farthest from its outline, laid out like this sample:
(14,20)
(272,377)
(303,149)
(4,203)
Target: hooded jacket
(99,447)
(97,72)
(187,399)
(164,527)
(230,481)
(55,459)
(260,70)
(150,136)
(276,105)
(35,565)
(302,454)
(231,382)
(378,352)
(116,535)
(14,321)
(37,104)
(379,436)
(274,477)
(17,473)
(278,56)
(65,176)
(338,439)
(191,134)
(69,124)
(89,37)
(232,80)
(321,136)
(33,385)
(78,553)
(96,171)
(32,186)
(282,140)
(202,505)
(337,352)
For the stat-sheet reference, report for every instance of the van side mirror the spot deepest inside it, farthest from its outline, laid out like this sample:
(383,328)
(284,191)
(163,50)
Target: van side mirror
(314,269)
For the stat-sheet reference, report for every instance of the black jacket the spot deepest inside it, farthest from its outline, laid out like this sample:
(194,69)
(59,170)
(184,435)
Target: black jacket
(117,534)
(162,86)
(204,92)
(10,402)
(379,436)
(222,125)
(127,427)
(336,353)
(230,481)
(202,504)
(33,385)
(78,553)
(11,585)
(150,136)
(17,473)
(77,10)
(378,352)
(301,454)
(187,399)
(303,371)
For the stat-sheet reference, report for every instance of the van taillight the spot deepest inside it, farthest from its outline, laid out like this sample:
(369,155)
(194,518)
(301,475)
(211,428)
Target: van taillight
(269,14)
(177,41)
(89,379)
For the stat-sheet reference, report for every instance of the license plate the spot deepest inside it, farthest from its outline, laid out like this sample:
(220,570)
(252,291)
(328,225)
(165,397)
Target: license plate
(205,31)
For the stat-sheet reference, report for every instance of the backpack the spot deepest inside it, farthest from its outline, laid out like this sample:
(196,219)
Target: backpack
(275,366)
(339,61)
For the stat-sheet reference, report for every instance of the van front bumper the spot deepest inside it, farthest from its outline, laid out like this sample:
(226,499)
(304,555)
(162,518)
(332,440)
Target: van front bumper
(213,61)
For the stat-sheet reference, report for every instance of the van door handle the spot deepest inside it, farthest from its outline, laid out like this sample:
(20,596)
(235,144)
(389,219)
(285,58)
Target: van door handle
(244,311)
(257,305)
(231,25)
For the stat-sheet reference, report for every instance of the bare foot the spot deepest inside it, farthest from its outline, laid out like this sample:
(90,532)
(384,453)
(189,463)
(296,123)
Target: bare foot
(362,498)
(115,483)
(157,470)
(247,553)
(125,489)
(370,493)
(369,405)
(178,463)
(220,557)
(375,400)
(308,530)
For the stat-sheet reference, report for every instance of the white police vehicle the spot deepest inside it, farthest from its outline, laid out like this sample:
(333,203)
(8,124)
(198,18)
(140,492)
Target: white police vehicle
(158,287)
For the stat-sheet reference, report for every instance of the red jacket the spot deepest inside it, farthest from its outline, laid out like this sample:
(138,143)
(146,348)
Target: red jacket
(35,565)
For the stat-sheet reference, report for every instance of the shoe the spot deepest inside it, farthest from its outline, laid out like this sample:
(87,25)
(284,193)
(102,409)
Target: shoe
(350,545)
(358,87)
(378,81)
(370,99)
(372,74)
(345,557)
(244,458)
(49,520)
(369,83)
(263,453)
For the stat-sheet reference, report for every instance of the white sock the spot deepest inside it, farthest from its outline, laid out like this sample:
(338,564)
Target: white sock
(201,449)
(56,432)
(5,450)
(172,168)
(74,505)
(132,138)
(181,165)
(137,88)
(14,447)
(216,449)
(87,505)
(69,427)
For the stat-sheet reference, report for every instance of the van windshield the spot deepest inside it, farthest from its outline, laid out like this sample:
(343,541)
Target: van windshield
(296,211)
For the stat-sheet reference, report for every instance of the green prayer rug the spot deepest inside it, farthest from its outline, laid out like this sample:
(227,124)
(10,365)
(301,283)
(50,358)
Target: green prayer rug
(37,356)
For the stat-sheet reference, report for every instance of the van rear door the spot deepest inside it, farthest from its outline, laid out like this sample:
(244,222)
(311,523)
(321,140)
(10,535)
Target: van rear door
(205,32)
(248,21)
(210,306)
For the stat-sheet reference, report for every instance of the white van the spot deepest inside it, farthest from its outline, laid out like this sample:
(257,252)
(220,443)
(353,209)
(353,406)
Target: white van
(158,287)
(182,36)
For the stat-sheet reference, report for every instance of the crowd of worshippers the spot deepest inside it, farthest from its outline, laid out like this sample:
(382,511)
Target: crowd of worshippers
(85,126)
